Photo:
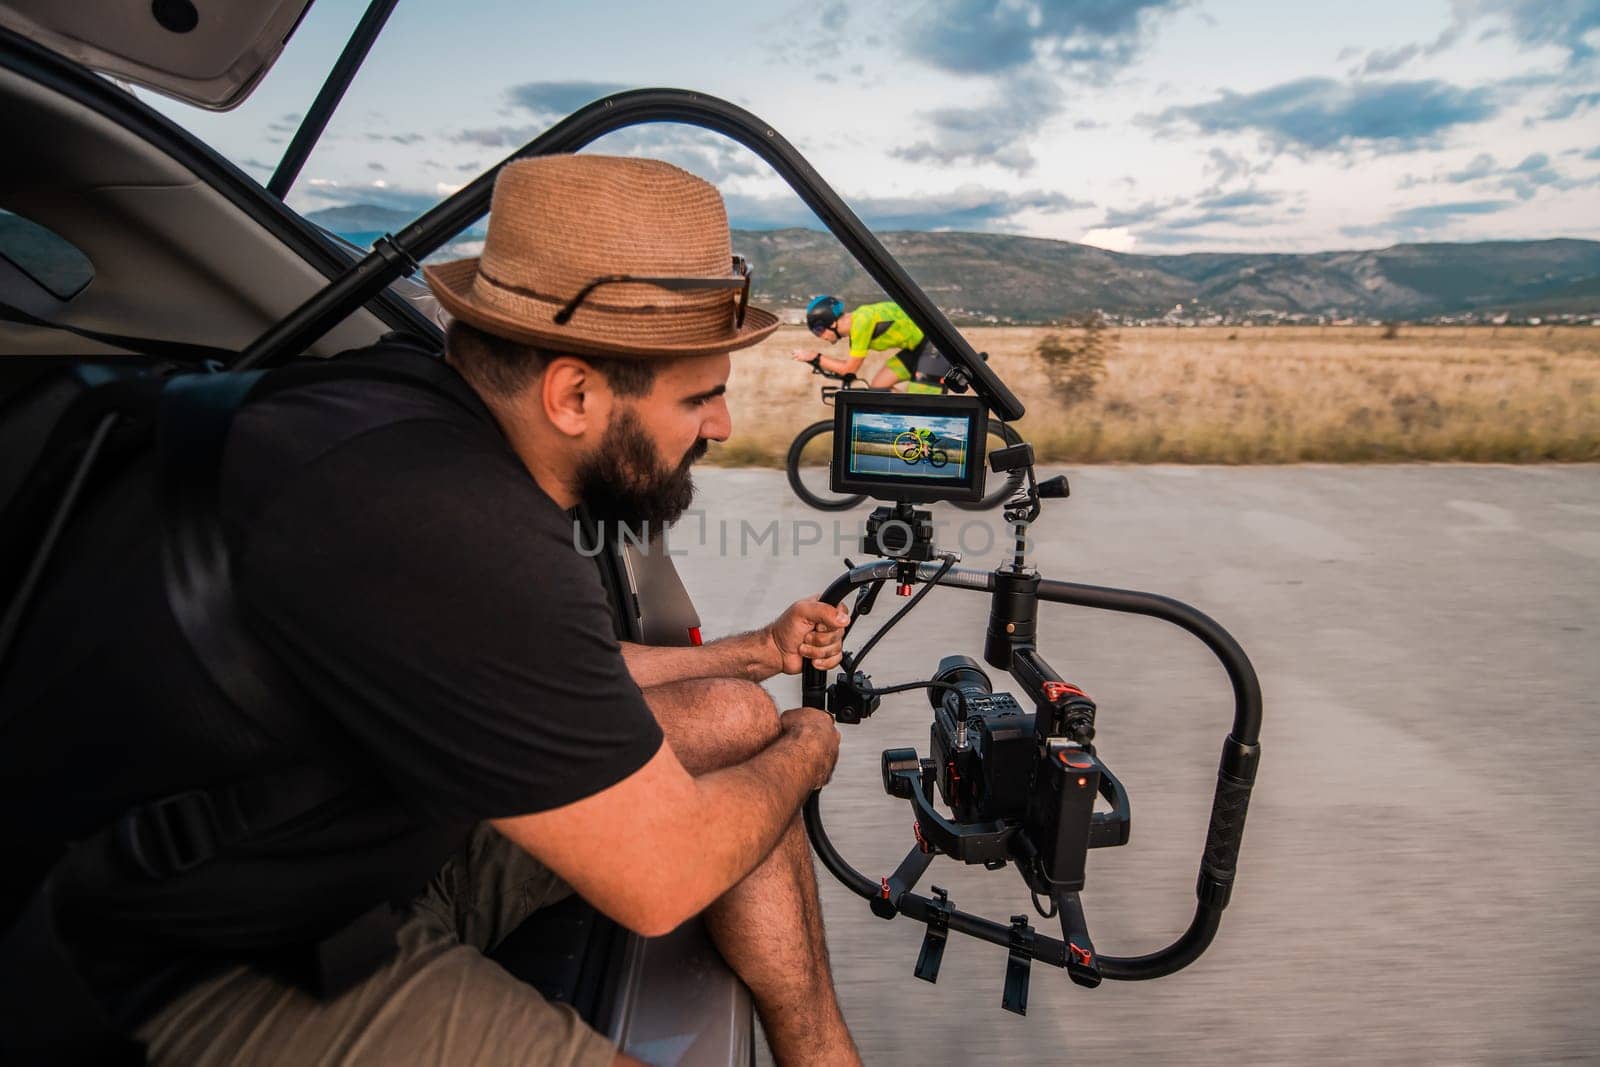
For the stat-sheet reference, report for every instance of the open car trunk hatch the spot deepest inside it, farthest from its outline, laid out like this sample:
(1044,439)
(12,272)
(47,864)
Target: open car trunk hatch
(210,53)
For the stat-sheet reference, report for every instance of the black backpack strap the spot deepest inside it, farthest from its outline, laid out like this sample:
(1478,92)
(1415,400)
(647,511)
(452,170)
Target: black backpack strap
(170,835)
(196,413)
(51,1015)
(173,834)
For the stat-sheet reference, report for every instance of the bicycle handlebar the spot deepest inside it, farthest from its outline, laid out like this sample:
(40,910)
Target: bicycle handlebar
(847,379)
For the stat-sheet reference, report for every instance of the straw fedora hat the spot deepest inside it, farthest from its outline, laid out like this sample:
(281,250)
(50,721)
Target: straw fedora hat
(566,228)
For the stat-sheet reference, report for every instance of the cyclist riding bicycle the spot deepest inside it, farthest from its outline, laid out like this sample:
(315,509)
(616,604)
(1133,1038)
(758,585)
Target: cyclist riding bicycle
(877,327)
(917,445)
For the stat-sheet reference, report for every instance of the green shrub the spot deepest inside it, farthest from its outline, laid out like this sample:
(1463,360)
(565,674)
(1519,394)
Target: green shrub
(1075,363)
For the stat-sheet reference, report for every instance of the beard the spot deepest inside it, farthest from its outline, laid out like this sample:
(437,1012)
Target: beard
(625,481)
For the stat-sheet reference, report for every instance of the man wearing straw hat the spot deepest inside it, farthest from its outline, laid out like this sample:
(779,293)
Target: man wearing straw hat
(419,572)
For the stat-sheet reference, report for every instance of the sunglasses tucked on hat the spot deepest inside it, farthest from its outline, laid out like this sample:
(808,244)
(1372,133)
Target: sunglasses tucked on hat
(605,256)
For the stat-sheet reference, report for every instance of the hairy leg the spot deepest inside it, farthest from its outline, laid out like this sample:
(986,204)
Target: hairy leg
(769,926)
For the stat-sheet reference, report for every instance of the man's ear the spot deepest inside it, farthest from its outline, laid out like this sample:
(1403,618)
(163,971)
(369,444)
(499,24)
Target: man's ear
(574,396)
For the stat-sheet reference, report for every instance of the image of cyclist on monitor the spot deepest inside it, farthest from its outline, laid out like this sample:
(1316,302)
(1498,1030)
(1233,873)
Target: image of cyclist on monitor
(908,444)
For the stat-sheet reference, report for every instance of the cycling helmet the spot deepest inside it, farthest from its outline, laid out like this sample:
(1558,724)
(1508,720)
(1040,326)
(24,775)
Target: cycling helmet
(823,312)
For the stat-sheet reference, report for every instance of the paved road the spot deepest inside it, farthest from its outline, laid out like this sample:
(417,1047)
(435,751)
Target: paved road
(1420,878)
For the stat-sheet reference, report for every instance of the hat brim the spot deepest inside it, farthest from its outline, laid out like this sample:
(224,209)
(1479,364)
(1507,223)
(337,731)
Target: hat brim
(452,285)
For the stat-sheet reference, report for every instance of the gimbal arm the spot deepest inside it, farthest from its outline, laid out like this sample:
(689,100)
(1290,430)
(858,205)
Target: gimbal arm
(1235,776)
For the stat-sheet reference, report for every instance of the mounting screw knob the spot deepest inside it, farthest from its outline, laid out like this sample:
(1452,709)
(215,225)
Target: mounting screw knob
(897,761)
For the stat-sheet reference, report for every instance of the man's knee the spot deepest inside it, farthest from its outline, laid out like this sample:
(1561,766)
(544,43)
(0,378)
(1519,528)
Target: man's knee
(715,722)
(745,713)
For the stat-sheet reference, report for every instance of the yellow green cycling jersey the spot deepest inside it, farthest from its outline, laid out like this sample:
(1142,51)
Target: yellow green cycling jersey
(880,327)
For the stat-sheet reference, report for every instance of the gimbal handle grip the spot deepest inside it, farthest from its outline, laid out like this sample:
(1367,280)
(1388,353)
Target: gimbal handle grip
(813,687)
(1235,778)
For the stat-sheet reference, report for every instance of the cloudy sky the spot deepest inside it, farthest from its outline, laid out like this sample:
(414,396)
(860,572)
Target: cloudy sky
(1136,125)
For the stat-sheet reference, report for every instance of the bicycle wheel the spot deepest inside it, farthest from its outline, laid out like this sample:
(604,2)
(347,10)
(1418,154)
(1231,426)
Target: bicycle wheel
(908,447)
(1000,489)
(938,457)
(807,468)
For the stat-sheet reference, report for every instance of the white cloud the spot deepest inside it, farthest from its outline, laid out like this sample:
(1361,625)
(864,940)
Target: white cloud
(1111,238)
(903,135)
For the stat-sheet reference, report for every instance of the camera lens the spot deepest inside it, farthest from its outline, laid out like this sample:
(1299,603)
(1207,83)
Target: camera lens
(964,673)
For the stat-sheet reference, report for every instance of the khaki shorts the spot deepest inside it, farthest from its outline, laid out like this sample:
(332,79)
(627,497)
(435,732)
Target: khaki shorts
(440,1000)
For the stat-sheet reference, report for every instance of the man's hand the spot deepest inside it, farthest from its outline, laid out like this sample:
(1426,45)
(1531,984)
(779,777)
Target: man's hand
(809,630)
(815,729)
(802,356)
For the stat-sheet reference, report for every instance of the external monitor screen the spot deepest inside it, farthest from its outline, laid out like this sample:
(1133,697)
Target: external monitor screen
(909,445)
(915,448)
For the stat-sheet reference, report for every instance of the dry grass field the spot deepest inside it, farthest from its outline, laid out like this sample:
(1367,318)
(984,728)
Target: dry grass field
(1251,395)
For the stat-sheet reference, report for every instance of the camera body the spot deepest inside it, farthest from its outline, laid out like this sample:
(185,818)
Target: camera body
(984,766)
(1000,766)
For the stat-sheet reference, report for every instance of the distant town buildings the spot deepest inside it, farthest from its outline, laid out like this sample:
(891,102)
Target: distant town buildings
(1193,314)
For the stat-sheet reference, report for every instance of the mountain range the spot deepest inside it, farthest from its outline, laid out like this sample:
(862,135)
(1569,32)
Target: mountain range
(1004,278)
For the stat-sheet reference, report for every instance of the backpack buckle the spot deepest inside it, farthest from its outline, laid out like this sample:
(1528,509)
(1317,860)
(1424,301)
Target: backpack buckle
(170,835)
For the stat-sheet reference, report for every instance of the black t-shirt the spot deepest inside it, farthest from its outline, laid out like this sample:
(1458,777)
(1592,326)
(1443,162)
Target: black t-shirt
(396,556)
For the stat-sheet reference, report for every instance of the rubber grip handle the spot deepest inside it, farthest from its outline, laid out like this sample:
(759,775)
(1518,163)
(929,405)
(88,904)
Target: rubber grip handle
(1226,832)
(1236,774)
(813,686)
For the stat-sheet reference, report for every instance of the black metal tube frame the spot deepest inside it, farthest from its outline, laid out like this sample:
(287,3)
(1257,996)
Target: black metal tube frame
(393,256)
(1244,737)
(333,89)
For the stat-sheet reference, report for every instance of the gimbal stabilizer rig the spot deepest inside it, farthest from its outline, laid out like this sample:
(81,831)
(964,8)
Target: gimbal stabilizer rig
(1021,786)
